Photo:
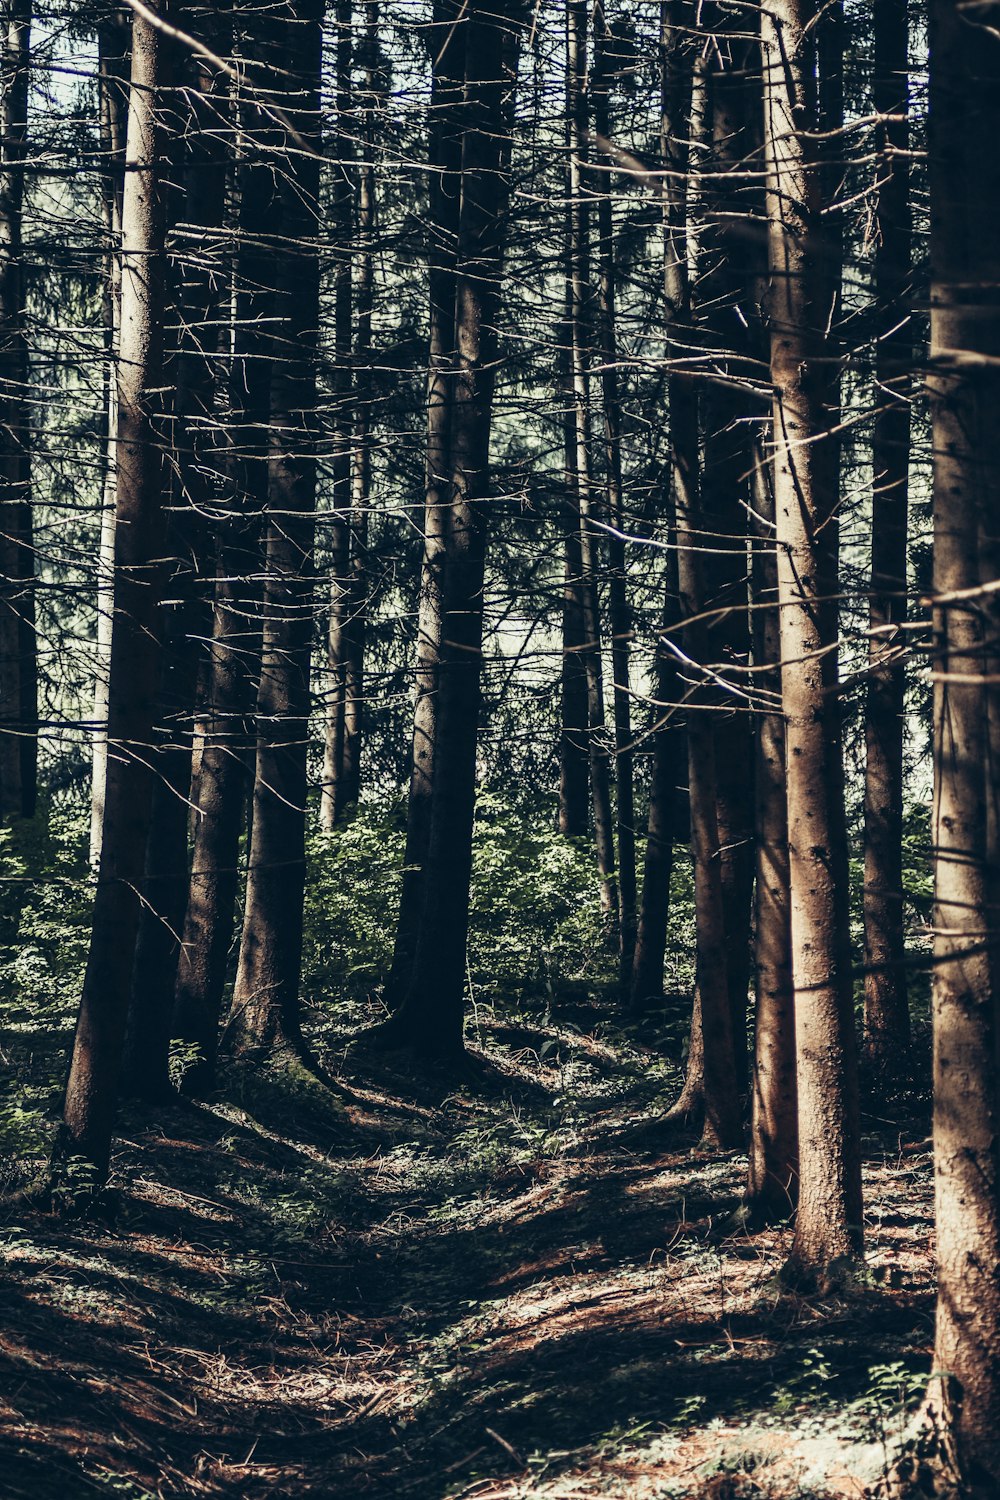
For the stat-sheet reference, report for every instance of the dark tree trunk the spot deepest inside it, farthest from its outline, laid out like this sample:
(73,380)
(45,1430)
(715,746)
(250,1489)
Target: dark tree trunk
(228,747)
(265,1009)
(91,1089)
(965,396)
(828,1226)
(334,796)
(574,760)
(620,615)
(446,41)
(18,655)
(430,1020)
(579,316)
(887,1020)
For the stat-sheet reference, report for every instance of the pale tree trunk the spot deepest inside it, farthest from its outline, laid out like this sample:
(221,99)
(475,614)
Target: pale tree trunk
(199,259)
(579,299)
(773,1161)
(887,1020)
(113,70)
(333,797)
(265,1013)
(620,617)
(446,40)
(91,1089)
(965,396)
(18,669)
(430,1020)
(828,1230)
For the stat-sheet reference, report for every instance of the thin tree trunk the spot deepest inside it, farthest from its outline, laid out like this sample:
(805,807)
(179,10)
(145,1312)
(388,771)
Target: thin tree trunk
(772,1176)
(18,657)
(887,1019)
(355,629)
(430,1020)
(446,40)
(91,1089)
(619,611)
(828,1229)
(333,798)
(113,41)
(574,760)
(579,297)
(265,1011)
(965,396)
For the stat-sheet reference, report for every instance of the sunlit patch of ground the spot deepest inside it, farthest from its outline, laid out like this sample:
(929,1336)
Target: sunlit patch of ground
(467,1286)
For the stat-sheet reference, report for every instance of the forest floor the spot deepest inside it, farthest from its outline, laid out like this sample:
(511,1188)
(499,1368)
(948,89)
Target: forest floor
(490,1286)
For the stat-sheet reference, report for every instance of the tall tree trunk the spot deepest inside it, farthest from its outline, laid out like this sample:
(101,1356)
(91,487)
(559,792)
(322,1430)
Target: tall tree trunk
(579,299)
(430,1020)
(145,1073)
(800,305)
(228,750)
(965,396)
(113,41)
(574,757)
(356,624)
(333,796)
(265,1011)
(773,1165)
(18,656)
(669,744)
(619,612)
(887,1020)
(91,1089)
(446,40)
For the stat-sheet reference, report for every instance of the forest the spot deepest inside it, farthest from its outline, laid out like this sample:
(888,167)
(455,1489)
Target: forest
(499,697)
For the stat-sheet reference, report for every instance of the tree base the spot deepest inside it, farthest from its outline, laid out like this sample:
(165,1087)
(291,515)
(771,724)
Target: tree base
(928,1465)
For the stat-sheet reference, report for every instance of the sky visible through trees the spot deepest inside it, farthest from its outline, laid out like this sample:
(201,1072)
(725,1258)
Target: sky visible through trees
(498,721)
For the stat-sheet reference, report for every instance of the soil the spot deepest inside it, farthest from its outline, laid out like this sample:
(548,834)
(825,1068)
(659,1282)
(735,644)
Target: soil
(488,1284)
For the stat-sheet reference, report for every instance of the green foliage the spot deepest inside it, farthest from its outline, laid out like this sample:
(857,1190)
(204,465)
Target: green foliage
(534,917)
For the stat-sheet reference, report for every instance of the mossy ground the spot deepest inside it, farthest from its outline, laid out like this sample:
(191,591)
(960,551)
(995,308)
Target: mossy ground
(470,1285)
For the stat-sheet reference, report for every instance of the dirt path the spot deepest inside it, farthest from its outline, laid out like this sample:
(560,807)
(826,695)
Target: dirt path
(473,1288)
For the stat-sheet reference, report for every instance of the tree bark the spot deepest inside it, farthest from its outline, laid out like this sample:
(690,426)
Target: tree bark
(91,1089)
(887,1020)
(265,1013)
(965,398)
(828,1231)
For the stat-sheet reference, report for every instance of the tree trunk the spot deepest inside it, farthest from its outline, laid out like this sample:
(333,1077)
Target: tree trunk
(430,1020)
(965,396)
(228,749)
(772,1176)
(113,40)
(145,1073)
(887,1020)
(446,40)
(619,611)
(265,1010)
(18,656)
(333,796)
(828,1226)
(574,759)
(91,1089)
(579,297)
